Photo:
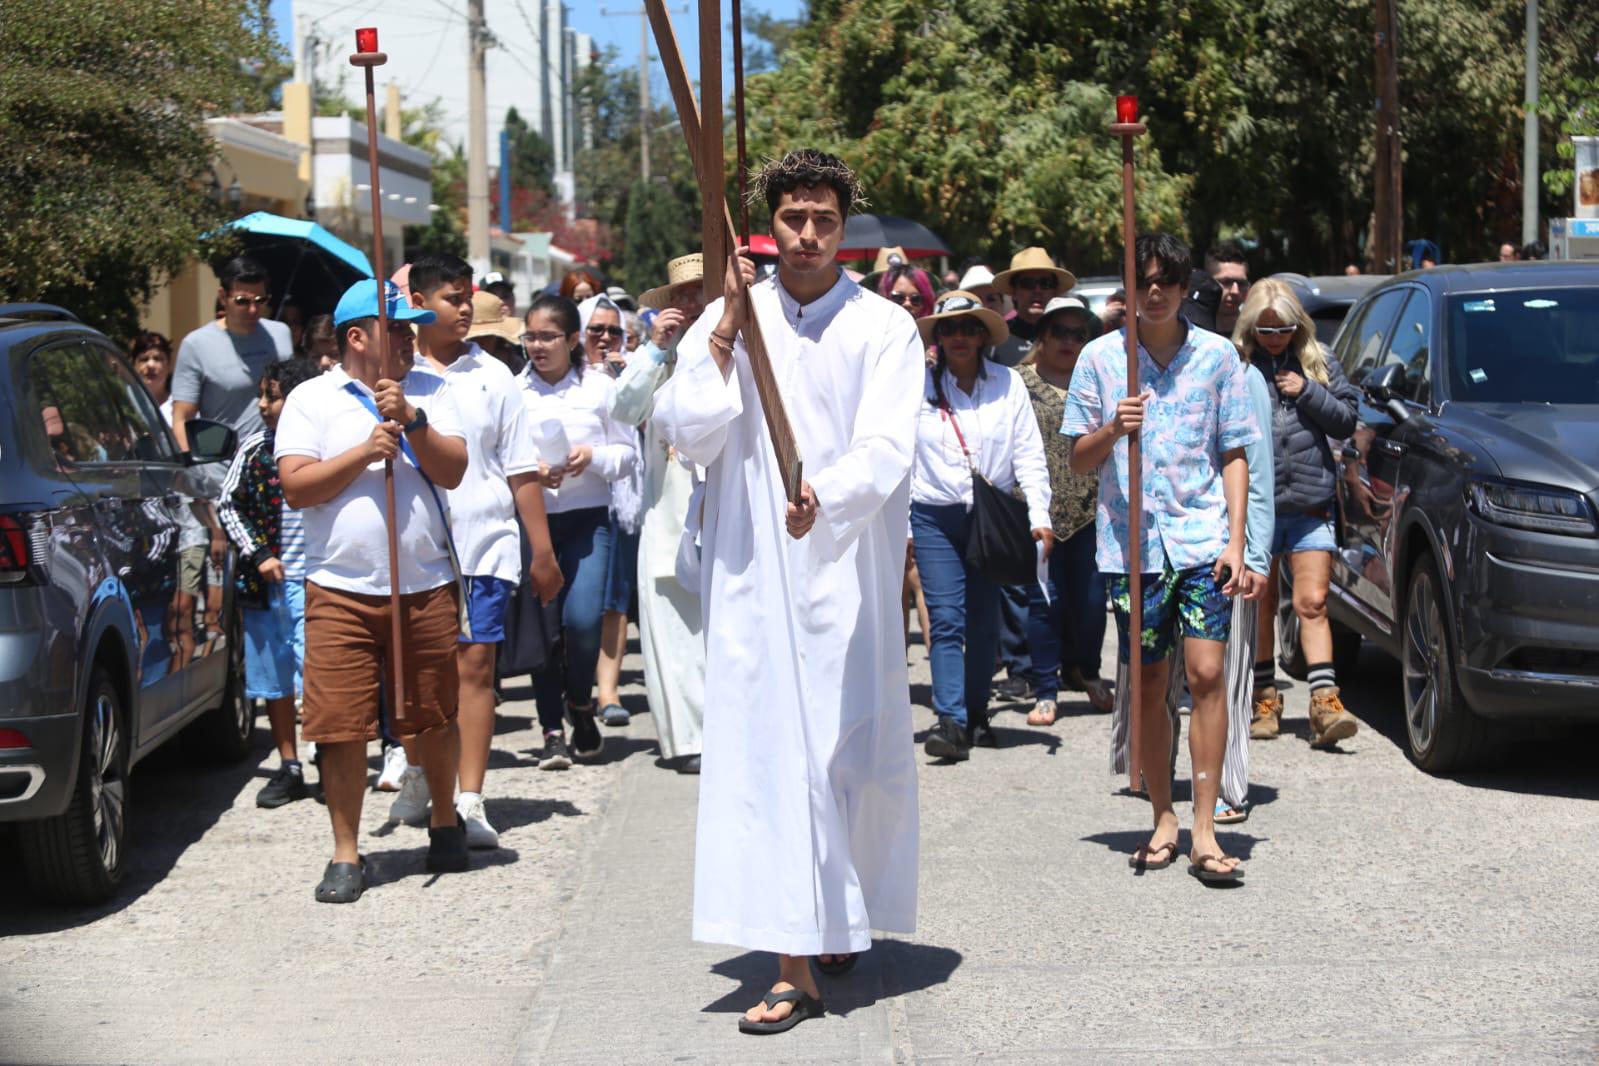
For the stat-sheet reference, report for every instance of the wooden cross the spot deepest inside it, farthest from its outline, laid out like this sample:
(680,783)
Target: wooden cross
(717,234)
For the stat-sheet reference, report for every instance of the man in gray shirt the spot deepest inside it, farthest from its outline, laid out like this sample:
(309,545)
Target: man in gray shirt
(219,367)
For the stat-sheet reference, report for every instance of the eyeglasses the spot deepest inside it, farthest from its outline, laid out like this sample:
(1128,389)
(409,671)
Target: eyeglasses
(961,327)
(602,331)
(250,301)
(1276,331)
(542,338)
(1232,283)
(907,299)
(1035,281)
(1068,333)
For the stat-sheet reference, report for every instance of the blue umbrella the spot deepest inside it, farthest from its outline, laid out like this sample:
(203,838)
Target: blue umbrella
(306,262)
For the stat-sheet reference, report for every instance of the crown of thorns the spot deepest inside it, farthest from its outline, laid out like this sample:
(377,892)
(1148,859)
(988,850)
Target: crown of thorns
(805,168)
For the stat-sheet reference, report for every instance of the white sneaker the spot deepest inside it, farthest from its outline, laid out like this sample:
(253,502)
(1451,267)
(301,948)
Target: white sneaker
(479,833)
(394,767)
(411,806)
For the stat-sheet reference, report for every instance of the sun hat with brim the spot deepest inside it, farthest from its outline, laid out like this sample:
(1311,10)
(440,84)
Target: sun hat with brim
(620,297)
(1033,261)
(490,320)
(958,303)
(1062,304)
(887,259)
(684,270)
(361,301)
(977,279)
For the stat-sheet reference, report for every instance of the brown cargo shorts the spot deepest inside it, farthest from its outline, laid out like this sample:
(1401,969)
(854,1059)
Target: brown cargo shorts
(346,663)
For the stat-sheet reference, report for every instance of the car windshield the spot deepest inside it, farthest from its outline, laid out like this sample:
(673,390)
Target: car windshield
(1526,346)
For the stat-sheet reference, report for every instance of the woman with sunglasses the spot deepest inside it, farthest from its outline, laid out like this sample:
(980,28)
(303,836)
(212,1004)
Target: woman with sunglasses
(564,401)
(1066,631)
(909,286)
(1311,402)
(977,420)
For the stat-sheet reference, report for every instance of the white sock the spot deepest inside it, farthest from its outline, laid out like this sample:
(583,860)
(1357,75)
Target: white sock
(466,799)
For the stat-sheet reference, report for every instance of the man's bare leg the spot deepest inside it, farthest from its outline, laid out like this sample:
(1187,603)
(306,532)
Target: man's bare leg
(475,663)
(1207,739)
(280,712)
(344,787)
(793,971)
(1153,750)
(440,752)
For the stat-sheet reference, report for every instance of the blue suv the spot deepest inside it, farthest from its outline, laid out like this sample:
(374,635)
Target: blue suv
(117,623)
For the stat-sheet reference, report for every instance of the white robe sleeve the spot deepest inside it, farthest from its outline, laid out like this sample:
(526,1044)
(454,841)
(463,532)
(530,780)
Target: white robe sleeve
(1032,472)
(697,405)
(615,458)
(635,389)
(851,491)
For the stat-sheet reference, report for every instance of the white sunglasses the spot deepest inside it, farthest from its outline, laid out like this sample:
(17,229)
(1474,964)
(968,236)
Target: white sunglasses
(1276,331)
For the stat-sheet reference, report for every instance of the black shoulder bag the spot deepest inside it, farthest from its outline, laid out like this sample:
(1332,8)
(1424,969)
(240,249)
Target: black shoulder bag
(1001,544)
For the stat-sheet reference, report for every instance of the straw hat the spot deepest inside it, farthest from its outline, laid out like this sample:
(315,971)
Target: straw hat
(887,259)
(1034,261)
(683,270)
(960,302)
(490,320)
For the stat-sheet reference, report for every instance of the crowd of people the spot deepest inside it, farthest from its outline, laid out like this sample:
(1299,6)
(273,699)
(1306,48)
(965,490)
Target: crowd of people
(598,456)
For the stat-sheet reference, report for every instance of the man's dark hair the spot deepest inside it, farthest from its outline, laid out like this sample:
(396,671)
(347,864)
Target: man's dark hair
(1229,252)
(808,168)
(434,270)
(320,327)
(566,315)
(1173,261)
(242,268)
(1534,250)
(148,339)
(289,373)
(503,289)
(342,332)
(1120,295)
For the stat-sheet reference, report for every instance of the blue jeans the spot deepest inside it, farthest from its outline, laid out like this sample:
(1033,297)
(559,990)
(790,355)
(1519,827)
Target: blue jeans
(962,609)
(1069,630)
(582,542)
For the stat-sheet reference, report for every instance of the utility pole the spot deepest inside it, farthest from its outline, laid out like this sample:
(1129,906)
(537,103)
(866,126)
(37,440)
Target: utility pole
(1388,200)
(1529,143)
(643,82)
(477,149)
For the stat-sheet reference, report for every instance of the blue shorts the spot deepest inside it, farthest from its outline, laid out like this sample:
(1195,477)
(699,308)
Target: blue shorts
(1302,533)
(621,571)
(488,599)
(1177,604)
(274,642)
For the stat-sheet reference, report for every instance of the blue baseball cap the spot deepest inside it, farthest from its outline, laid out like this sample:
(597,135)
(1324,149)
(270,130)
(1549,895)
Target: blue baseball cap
(361,301)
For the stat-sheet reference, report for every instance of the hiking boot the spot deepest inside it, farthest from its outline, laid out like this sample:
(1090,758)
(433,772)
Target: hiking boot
(285,786)
(1329,722)
(1268,718)
(948,741)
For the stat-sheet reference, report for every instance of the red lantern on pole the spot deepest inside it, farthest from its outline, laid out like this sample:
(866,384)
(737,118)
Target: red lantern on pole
(366,39)
(1126,110)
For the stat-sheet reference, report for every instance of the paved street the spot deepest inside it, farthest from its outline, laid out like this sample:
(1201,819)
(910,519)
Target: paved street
(1387,916)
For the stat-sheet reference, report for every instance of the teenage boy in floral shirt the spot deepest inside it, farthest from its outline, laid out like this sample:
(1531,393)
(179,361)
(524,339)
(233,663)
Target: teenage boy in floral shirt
(1194,418)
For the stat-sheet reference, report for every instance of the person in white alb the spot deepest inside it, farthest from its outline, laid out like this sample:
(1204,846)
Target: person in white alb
(976,420)
(500,485)
(569,408)
(807,837)
(334,436)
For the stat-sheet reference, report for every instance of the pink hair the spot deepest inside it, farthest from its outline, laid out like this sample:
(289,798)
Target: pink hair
(919,277)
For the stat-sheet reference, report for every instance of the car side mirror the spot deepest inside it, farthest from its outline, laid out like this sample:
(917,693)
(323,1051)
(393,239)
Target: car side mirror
(1386,387)
(210,442)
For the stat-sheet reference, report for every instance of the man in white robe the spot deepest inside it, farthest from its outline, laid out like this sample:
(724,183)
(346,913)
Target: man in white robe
(807,836)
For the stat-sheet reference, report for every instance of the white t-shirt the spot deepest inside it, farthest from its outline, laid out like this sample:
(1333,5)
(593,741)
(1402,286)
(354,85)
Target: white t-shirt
(499,443)
(346,539)
(583,406)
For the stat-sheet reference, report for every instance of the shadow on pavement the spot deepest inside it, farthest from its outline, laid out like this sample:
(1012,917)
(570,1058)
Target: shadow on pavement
(514,813)
(891,968)
(1125,841)
(174,800)
(396,864)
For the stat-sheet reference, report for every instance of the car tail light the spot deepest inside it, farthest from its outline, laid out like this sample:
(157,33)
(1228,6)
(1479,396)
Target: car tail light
(11,738)
(15,549)
(1541,508)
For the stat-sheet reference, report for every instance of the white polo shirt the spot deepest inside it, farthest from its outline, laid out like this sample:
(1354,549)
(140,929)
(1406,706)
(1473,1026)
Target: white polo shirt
(583,406)
(499,444)
(346,539)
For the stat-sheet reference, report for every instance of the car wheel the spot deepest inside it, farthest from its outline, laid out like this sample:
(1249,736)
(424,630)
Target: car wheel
(226,733)
(77,855)
(1290,655)
(1443,734)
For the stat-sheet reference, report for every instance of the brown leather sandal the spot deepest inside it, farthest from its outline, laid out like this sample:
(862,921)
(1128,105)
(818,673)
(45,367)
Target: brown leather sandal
(1144,861)
(1196,866)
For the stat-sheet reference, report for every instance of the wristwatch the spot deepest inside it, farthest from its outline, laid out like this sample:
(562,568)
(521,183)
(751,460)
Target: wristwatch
(418,422)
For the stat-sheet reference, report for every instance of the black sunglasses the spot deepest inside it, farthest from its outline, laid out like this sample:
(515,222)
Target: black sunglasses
(961,327)
(905,299)
(601,331)
(1068,333)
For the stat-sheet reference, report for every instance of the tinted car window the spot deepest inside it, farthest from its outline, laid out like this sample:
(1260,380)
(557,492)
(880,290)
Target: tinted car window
(75,418)
(1363,342)
(1411,345)
(1527,346)
(138,413)
(1327,321)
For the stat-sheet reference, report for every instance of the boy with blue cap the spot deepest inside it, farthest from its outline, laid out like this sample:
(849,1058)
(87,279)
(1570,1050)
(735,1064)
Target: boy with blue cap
(333,438)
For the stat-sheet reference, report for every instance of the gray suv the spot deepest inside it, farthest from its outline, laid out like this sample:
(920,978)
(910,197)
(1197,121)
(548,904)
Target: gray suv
(117,622)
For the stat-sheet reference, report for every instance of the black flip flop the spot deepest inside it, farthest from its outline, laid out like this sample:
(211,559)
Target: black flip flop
(841,964)
(1196,866)
(805,1006)
(342,882)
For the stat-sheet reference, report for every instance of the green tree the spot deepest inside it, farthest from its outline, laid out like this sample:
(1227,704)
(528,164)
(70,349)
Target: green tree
(532,158)
(107,162)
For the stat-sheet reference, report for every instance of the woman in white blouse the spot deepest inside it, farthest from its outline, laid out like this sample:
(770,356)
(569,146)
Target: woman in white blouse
(585,451)
(977,415)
